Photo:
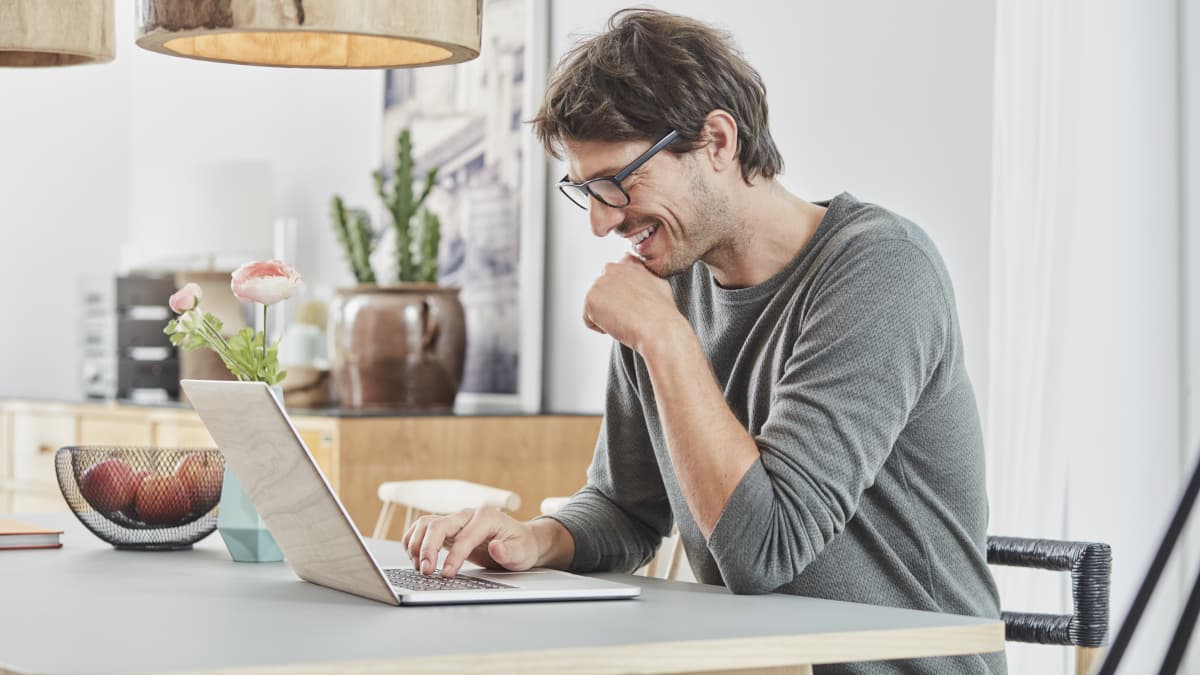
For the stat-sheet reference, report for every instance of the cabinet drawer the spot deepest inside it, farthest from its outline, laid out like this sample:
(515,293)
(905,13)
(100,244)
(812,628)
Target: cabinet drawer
(182,435)
(35,438)
(112,431)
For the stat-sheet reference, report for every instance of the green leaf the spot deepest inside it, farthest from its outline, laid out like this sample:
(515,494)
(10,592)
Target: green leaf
(241,346)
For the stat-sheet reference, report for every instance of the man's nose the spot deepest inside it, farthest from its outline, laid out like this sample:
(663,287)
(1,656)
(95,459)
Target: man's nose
(604,217)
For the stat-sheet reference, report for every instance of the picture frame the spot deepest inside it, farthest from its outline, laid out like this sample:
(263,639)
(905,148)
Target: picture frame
(470,121)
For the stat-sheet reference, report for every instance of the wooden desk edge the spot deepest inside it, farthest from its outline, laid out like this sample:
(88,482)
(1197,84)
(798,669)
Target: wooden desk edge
(685,657)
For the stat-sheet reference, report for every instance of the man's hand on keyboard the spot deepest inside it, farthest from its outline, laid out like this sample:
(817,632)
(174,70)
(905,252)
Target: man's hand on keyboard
(486,536)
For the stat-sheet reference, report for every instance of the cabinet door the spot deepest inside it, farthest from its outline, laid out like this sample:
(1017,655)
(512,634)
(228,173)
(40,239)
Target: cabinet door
(536,456)
(35,438)
(5,448)
(101,430)
(320,437)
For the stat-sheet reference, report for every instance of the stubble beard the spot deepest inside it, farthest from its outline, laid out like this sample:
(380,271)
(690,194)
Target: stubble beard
(710,228)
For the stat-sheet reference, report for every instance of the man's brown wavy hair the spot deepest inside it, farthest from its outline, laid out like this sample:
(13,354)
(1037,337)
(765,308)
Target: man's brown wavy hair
(651,72)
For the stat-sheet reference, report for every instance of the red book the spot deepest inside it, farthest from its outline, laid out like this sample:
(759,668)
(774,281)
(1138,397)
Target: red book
(15,535)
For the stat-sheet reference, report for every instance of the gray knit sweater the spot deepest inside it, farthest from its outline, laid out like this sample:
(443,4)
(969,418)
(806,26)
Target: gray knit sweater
(847,369)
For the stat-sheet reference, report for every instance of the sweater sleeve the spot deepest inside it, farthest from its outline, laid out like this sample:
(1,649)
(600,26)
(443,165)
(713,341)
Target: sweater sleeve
(619,518)
(875,332)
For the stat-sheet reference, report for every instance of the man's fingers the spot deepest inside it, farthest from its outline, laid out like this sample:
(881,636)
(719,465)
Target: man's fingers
(475,533)
(412,540)
(440,529)
(408,534)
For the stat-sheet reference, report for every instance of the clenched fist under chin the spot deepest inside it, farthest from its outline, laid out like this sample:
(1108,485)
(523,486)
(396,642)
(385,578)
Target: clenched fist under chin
(629,303)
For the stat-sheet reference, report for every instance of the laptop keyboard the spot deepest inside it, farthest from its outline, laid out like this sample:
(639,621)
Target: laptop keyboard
(415,581)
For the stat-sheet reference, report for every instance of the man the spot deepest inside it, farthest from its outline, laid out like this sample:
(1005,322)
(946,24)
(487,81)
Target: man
(787,381)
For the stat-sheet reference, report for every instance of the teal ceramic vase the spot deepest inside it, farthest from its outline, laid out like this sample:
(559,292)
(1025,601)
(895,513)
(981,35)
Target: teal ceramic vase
(244,532)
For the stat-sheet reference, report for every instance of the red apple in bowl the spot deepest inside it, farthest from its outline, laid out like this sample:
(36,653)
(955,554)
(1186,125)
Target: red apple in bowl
(130,509)
(109,485)
(162,500)
(201,473)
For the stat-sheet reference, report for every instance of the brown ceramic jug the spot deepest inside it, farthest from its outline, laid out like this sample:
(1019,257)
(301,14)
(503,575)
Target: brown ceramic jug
(398,347)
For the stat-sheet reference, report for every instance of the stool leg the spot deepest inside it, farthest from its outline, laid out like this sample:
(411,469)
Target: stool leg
(1087,659)
(676,556)
(385,521)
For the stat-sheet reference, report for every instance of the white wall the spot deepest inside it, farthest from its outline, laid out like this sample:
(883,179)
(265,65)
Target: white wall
(64,179)
(1190,237)
(1117,340)
(74,142)
(1189,267)
(876,98)
(318,128)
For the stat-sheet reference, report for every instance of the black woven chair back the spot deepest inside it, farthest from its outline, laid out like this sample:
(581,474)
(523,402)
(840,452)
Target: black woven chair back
(1090,566)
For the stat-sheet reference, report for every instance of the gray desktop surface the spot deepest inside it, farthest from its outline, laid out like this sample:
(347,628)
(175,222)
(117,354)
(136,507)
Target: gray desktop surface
(87,608)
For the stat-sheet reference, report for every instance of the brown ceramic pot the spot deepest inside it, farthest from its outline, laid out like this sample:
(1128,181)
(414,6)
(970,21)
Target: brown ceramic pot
(398,347)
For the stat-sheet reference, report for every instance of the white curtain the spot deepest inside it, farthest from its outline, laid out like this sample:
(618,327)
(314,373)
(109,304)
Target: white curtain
(1026,477)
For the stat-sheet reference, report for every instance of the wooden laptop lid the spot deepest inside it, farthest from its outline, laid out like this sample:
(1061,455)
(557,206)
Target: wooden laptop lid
(287,487)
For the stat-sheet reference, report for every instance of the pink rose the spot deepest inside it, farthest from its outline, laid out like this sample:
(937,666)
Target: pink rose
(185,299)
(265,282)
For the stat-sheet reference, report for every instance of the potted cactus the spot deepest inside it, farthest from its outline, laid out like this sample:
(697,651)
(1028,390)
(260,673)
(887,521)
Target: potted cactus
(399,345)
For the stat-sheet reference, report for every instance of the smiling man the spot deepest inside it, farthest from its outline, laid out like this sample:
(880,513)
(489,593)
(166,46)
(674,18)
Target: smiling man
(787,382)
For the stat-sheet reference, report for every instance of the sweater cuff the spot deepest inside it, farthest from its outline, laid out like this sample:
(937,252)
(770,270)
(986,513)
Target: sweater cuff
(740,520)
(587,550)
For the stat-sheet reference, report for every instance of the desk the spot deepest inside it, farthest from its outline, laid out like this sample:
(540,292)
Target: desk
(88,608)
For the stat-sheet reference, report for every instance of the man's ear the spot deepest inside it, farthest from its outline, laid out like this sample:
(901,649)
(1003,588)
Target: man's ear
(720,137)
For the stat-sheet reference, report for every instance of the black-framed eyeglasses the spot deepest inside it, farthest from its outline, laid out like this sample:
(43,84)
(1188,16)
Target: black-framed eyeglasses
(608,189)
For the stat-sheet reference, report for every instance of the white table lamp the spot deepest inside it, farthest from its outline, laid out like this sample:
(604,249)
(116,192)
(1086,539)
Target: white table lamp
(191,216)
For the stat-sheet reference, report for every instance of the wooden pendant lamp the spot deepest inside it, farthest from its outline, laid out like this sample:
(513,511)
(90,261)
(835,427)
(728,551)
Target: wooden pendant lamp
(55,32)
(313,33)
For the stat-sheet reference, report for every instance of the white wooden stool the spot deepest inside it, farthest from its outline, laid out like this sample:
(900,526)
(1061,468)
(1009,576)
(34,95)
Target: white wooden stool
(437,497)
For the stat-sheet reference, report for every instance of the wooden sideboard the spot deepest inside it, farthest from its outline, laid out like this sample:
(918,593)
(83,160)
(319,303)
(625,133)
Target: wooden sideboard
(536,456)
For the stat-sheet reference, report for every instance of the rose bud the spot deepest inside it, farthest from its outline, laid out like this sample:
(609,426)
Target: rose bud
(185,299)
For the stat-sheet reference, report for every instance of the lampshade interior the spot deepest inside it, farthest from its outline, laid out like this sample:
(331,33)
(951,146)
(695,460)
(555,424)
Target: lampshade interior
(32,59)
(311,49)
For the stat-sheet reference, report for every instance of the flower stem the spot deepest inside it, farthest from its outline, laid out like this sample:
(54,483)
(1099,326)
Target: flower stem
(263,364)
(217,343)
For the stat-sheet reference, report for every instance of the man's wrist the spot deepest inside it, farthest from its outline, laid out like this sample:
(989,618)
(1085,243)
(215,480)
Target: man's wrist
(556,546)
(666,337)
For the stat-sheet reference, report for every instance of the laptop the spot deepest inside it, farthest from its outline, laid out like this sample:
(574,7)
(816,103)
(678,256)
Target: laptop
(315,533)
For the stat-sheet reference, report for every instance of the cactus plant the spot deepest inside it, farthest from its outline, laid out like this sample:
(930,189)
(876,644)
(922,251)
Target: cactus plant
(354,231)
(358,238)
(431,237)
(403,203)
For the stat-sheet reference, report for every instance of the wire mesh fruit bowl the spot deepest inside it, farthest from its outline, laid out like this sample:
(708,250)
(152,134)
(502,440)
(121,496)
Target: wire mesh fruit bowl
(148,499)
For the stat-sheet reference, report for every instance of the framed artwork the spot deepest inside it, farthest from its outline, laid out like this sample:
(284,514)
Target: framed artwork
(469,120)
